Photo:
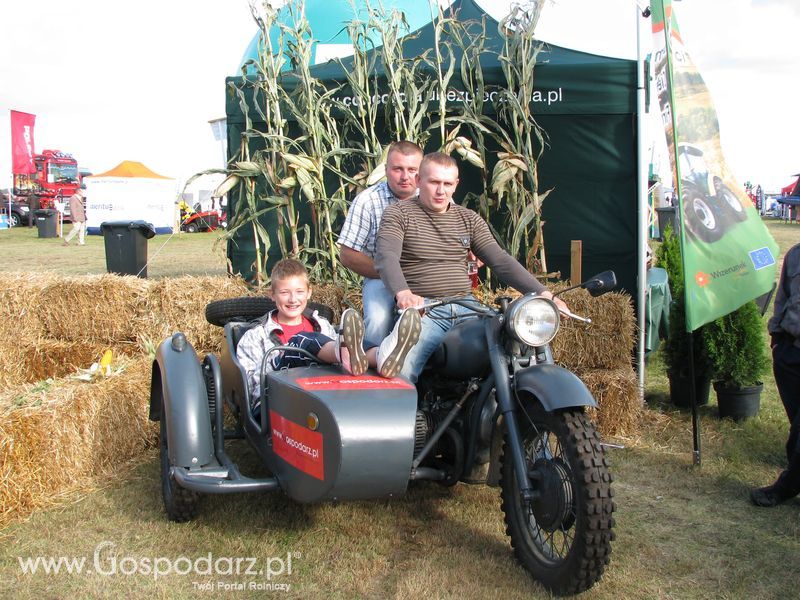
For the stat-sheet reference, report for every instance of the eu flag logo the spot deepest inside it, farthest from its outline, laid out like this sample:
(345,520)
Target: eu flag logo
(761,258)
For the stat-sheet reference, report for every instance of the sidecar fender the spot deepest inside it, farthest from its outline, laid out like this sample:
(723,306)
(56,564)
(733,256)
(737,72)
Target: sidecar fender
(555,387)
(177,378)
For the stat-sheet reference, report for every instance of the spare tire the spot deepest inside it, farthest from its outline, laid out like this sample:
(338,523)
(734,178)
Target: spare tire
(248,308)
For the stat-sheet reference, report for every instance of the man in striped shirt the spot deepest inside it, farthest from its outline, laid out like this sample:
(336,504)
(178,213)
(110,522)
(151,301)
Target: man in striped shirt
(422,252)
(360,230)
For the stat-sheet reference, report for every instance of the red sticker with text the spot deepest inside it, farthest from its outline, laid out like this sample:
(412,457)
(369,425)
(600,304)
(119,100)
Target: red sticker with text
(297,445)
(352,382)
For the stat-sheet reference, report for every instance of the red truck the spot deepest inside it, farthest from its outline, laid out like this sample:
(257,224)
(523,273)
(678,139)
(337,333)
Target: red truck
(56,177)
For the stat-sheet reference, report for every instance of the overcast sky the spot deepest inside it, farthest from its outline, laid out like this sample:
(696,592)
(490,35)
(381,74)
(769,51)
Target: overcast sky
(111,81)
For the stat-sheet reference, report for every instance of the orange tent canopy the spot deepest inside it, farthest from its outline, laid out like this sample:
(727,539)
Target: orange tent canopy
(130,168)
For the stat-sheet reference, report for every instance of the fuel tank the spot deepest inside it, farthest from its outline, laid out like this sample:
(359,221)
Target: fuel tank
(463,352)
(337,437)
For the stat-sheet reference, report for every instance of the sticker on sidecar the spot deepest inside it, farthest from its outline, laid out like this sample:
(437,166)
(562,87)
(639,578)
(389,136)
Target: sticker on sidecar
(352,382)
(297,445)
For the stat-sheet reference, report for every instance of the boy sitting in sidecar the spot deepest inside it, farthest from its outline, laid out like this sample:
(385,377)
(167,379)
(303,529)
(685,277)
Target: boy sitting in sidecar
(291,324)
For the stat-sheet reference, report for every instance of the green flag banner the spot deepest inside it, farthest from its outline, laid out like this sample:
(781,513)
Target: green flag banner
(729,257)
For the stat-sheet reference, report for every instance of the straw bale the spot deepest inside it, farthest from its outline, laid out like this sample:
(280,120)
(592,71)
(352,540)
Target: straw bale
(616,393)
(179,304)
(18,309)
(337,297)
(607,343)
(45,358)
(94,308)
(64,437)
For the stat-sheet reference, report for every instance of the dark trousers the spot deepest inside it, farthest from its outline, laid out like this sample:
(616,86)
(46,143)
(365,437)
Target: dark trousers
(786,367)
(311,341)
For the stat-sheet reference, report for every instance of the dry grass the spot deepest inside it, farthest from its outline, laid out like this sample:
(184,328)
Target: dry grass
(682,531)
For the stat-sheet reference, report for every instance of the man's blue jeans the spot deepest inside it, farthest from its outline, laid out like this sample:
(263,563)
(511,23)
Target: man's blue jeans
(435,324)
(380,311)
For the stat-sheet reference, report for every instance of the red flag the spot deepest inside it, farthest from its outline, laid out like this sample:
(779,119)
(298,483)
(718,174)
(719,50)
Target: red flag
(22,142)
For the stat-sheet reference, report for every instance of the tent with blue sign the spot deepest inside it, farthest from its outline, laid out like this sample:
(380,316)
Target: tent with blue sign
(587,107)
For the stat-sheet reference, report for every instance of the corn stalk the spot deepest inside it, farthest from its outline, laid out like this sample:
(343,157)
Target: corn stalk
(339,146)
(515,175)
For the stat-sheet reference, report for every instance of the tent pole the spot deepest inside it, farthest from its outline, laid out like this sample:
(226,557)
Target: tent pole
(643,208)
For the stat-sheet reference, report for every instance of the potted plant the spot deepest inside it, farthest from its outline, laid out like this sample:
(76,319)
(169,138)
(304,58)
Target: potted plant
(676,346)
(737,350)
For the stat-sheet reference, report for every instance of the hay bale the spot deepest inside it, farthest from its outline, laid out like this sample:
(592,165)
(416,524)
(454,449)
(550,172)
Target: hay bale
(18,310)
(36,360)
(607,343)
(617,394)
(63,437)
(338,297)
(101,309)
(179,304)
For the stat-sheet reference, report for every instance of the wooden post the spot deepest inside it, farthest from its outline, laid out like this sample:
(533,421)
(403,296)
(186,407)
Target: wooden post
(575,253)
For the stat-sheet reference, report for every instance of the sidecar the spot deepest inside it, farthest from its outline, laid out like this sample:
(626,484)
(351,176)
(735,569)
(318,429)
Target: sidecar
(322,434)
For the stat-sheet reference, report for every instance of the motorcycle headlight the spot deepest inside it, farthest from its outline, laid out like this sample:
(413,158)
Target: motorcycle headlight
(533,320)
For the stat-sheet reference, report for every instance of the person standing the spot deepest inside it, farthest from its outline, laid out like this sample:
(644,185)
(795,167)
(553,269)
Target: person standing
(360,231)
(78,215)
(784,328)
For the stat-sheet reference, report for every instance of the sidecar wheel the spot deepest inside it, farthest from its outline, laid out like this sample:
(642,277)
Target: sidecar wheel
(181,504)
(563,537)
(248,308)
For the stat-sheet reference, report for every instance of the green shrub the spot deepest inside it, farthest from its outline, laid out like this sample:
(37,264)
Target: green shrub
(737,347)
(676,347)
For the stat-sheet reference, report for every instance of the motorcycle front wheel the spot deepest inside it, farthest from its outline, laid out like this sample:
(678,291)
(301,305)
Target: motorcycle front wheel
(563,536)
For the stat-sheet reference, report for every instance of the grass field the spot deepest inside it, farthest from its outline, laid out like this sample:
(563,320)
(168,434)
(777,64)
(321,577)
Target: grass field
(22,249)
(683,531)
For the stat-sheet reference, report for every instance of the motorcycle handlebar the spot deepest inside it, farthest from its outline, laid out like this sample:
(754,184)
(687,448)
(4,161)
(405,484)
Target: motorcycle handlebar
(572,315)
(440,301)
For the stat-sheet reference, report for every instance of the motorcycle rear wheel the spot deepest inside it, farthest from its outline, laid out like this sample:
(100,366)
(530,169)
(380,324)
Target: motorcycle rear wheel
(563,537)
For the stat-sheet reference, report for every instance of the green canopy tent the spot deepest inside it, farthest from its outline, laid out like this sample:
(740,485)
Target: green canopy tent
(586,105)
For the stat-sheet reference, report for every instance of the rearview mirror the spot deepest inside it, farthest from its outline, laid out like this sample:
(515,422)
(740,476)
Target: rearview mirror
(600,283)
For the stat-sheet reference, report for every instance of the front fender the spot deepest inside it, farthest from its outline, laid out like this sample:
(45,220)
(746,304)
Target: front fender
(554,386)
(178,381)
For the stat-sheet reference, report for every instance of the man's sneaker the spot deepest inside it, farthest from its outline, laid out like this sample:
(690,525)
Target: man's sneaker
(351,353)
(393,350)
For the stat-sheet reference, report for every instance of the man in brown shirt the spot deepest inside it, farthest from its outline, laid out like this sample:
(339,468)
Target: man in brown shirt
(78,214)
(422,252)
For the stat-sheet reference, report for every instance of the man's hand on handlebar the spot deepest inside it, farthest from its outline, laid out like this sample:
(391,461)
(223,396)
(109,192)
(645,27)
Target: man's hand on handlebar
(408,299)
(560,304)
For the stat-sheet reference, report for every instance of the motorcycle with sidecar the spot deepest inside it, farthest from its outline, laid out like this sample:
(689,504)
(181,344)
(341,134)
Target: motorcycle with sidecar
(490,407)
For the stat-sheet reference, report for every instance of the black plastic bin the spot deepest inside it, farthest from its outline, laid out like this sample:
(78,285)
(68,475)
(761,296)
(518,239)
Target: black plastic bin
(126,246)
(46,222)
(667,215)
